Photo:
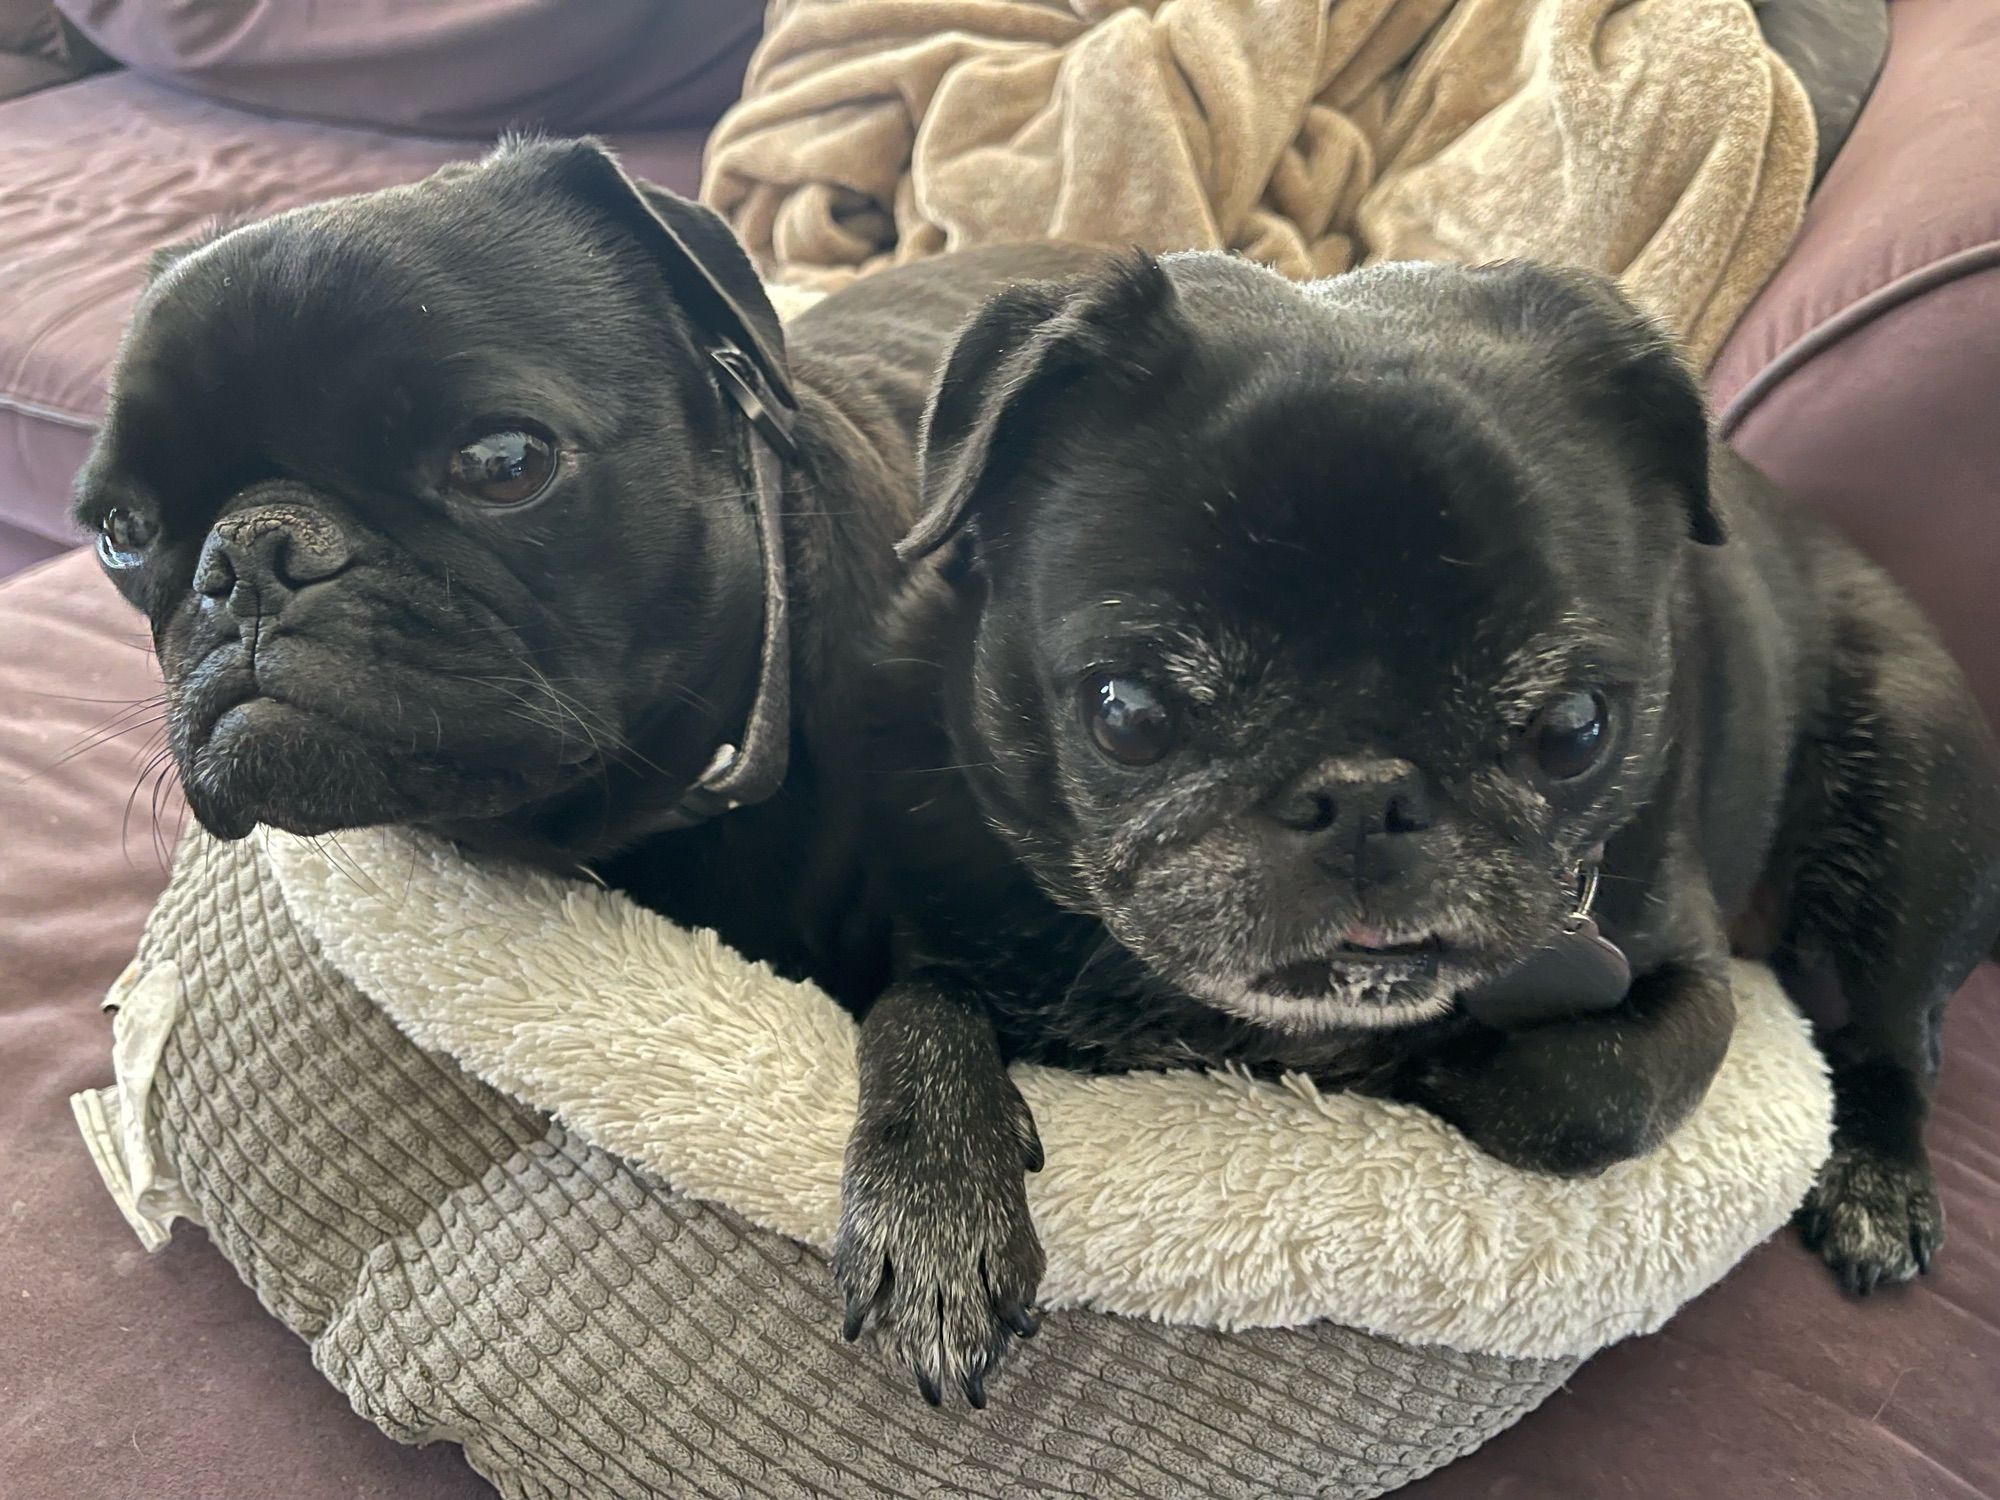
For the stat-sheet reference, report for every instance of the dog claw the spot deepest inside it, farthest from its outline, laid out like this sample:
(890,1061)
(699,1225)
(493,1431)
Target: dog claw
(936,1253)
(863,1300)
(1875,1219)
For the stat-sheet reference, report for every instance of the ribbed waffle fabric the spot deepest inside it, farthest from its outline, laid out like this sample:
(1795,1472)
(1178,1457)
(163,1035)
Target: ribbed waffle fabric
(465,1269)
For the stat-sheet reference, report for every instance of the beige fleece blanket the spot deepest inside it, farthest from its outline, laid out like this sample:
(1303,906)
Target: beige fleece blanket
(1658,141)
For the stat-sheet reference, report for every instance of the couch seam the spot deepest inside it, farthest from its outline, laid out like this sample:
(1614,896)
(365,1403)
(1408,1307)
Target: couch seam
(1849,320)
(38,566)
(35,411)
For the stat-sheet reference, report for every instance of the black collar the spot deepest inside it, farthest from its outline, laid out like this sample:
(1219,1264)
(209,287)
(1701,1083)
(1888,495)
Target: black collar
(753,767)
(753,379)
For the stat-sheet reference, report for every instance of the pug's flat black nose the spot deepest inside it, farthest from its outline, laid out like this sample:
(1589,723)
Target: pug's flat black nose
(1360,821)
(258,558)
(1343,803)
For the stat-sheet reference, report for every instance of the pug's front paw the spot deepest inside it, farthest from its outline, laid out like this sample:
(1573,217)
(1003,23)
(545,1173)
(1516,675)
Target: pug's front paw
(936,1251)
(1535,1100)
(1873,1219)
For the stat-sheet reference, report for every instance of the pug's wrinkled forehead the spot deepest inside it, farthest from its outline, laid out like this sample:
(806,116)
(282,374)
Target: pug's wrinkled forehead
(349,339)
(1324,538)
(1485,399)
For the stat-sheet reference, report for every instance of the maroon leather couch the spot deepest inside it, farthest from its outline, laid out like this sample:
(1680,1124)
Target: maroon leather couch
(1866,378)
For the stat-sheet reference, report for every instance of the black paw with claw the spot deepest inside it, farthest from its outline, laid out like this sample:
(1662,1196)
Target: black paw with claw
(937,1255)
(1873,1219)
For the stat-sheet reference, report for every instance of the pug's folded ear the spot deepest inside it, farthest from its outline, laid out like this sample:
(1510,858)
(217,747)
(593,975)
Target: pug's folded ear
(1626,366)
(1002,390)
(698,252)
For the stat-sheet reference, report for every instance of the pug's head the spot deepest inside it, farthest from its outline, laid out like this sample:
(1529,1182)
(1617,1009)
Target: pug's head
(1316,637)
(435,506)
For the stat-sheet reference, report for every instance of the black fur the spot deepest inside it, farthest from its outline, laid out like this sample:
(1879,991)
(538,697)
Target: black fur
(1360,531)
(543,681)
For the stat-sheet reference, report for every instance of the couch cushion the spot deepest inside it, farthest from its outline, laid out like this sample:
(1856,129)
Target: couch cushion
(21,74)
(446,67)
(20,549)
(1863,377)
(102,171)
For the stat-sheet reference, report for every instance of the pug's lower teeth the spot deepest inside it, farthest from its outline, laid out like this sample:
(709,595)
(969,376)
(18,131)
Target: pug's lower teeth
(1391,950)
(1319,976)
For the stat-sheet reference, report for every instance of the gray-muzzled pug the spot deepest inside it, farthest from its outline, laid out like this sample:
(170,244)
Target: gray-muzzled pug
(1297,658)
(500,505)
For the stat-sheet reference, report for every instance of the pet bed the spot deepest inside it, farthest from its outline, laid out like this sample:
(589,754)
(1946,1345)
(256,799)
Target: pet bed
(537,1173)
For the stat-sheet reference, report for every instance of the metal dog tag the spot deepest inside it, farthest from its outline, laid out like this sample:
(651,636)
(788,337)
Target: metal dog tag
(1580,972)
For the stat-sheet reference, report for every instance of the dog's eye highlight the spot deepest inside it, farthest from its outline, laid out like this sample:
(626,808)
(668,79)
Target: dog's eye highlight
(122,538)
(1568,737)
(508,467)
(1128,721)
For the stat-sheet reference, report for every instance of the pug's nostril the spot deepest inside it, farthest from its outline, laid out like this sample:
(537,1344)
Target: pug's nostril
(257,557)
(214,576)
(1341,802)
(1405,814)
(307,552)
(1306,812)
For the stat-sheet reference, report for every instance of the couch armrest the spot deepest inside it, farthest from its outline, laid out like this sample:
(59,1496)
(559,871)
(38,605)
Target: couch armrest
(461,68)
(1863,377)
(21,74)
(38,48)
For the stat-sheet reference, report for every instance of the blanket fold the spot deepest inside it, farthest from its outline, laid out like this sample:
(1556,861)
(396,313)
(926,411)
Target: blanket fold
(1658,141)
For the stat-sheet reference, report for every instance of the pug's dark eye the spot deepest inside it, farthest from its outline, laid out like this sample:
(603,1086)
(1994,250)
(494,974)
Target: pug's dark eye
(122,537)
(1568,737)
(1127,720)
(510,467)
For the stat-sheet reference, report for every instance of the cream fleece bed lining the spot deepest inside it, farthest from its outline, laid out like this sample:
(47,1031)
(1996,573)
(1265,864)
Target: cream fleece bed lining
(1208,1199)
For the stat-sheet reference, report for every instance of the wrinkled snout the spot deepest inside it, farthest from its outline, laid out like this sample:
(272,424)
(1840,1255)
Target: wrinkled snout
(257,559)
(1366,822)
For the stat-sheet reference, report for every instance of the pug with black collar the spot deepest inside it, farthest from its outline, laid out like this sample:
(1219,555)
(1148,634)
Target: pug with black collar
(1386,679)
(496,505)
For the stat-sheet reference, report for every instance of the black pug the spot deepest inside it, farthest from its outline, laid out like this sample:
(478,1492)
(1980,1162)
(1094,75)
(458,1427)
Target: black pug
(1301,661)
(498,505)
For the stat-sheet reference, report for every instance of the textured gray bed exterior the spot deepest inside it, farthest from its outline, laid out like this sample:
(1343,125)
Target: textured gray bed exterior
(467,1270)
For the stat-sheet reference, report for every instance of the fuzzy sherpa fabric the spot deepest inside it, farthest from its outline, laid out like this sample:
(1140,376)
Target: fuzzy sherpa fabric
(1182,1197)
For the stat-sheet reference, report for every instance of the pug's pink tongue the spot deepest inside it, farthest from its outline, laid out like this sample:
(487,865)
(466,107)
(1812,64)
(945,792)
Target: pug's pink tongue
(1361,935)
